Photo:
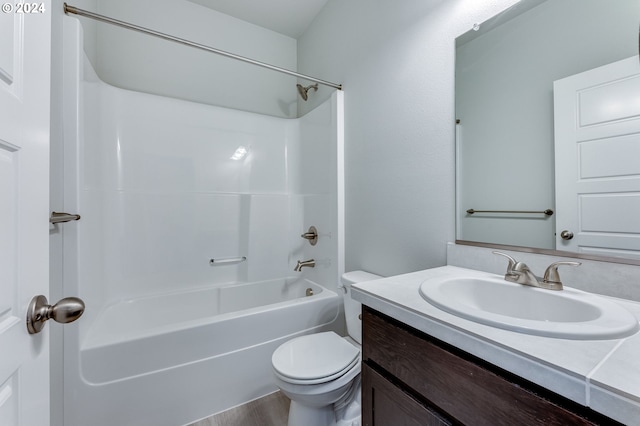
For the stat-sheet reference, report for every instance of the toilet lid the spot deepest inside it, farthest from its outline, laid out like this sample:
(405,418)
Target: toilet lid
(314,357)
(355,364)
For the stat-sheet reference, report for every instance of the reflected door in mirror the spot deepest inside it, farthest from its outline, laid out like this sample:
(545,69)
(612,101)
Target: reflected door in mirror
(597,149)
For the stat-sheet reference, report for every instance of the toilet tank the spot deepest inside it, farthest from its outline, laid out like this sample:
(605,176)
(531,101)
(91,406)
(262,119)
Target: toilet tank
(353,309)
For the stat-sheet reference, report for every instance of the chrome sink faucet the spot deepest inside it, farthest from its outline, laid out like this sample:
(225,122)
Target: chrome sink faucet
(519,272)
(304,263)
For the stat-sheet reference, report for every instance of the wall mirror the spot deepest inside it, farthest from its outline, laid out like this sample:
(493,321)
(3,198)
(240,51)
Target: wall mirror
(548,129)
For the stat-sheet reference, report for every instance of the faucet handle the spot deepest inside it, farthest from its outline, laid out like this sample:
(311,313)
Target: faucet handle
(551,275)
(311,235)
(512,261)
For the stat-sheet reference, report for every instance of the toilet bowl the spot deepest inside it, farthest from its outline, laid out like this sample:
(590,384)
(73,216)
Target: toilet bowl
(320,372)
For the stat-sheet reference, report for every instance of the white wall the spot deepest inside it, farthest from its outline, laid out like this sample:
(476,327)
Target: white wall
(504,99)
(396,62)
(135,61)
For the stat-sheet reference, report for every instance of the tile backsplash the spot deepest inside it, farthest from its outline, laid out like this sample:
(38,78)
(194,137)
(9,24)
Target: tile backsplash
(609,279)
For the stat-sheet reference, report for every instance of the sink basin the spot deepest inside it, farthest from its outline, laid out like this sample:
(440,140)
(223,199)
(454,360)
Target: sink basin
(567,314)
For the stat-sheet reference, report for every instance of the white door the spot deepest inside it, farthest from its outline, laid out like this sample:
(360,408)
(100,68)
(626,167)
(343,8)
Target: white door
(597,148)
(25,45)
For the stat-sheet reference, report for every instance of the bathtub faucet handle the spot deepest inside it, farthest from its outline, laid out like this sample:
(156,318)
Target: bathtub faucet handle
(311,235)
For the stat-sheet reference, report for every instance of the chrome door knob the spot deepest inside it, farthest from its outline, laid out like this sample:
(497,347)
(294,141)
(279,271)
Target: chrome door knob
(39,311)
(566,235)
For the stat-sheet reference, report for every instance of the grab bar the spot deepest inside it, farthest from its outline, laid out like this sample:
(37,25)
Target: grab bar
(227,260)
(63,217)
(548,212)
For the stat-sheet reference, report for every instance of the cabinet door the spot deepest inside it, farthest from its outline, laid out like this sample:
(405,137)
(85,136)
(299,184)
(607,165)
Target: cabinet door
(459,386)
(384,404)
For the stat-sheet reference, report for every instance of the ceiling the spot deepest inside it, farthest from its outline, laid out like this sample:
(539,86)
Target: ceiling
(288,17)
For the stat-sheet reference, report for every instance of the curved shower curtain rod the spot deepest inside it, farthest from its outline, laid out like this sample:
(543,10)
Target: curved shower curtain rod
(81,12)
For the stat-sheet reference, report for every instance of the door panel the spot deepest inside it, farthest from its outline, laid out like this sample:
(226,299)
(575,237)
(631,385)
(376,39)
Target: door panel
(624,149)
(597,147)
(9,312)
(24,190)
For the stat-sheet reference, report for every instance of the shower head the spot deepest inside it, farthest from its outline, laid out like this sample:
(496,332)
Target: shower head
(304,90)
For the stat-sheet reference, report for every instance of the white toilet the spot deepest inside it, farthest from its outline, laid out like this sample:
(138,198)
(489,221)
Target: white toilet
(320,372)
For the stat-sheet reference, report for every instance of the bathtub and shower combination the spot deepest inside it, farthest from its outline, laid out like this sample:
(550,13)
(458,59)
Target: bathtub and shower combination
(184,255)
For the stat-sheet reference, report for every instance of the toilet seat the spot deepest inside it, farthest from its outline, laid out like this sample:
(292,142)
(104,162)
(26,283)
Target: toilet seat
(319,380)
(315,358)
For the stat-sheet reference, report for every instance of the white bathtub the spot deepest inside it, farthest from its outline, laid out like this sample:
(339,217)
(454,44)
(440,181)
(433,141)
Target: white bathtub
(175,358)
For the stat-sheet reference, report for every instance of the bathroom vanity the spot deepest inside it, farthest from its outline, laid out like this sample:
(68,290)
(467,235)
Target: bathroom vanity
(410,375)
(422,365)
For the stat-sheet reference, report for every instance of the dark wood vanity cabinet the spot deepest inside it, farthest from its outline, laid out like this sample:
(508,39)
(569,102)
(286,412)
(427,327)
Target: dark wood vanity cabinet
(410,378)
(393,406)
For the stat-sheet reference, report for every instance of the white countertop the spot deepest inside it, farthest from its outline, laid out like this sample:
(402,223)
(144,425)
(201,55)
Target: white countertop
(601,374)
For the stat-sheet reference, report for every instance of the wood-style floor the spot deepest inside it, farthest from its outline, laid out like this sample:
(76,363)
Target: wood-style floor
(271,410)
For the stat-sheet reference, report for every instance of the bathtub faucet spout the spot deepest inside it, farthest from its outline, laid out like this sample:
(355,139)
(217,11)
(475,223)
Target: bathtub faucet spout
(304,263)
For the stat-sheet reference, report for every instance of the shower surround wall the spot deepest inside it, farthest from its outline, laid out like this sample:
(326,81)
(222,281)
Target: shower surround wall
(160,196)
(173,70)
